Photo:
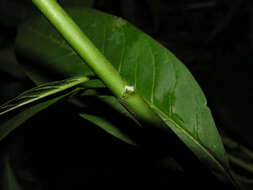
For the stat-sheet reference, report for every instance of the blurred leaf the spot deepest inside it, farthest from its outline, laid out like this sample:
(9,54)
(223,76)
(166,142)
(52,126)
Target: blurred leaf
(13,80)
(156,73)
(251,26)
(241,159)
(102,120)
(237,148)
(137,12)
(158,10)
(77,3)
(168,162)
(241,163)
(10,89)
(221,26)
(238,154)
(245,183)
(129,13)
(8,63)
(119,130)
(108,127)
(235,116)
(9,178)
(12,12)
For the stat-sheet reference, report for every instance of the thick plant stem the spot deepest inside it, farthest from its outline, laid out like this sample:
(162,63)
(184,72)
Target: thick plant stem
(96,60)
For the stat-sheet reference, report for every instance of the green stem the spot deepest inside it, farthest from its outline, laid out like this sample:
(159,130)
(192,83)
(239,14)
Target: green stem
(96,60)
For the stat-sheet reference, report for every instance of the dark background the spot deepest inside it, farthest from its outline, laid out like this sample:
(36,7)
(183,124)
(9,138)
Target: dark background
(213,38)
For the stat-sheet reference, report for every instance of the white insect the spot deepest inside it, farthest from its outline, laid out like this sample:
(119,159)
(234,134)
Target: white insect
(129,89)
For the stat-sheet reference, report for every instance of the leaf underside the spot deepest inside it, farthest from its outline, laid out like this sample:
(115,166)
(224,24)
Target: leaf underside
(162,80)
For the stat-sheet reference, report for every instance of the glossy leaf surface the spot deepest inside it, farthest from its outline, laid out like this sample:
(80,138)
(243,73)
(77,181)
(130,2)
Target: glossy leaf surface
(162,80)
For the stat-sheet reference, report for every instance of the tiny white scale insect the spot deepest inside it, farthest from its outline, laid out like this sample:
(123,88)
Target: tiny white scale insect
(129,88)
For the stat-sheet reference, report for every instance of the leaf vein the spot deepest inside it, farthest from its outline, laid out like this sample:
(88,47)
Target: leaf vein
(153,73)
(123,51)
(193,139)
(59,43)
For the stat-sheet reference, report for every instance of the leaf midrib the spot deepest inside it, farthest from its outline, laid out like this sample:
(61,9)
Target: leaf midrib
(202,147)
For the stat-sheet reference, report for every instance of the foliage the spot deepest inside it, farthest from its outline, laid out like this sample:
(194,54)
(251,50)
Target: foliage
(43,70)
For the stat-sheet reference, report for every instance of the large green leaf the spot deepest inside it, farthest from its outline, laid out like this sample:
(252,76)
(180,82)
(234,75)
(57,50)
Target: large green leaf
(155,72)
(12,117)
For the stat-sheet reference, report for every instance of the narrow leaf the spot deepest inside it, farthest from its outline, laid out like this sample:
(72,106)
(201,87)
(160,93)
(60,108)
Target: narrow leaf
(121,124)
(40,92)
(246,183)
(108,127)
(10,123)
(114,103)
